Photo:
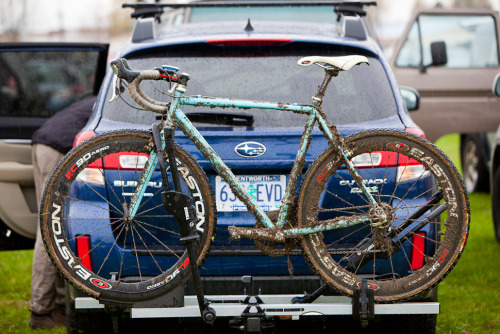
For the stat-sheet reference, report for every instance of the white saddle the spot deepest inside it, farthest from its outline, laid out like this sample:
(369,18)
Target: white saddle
(344,63)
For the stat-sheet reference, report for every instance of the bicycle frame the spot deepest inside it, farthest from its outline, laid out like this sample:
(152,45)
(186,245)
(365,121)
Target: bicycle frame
(177,117)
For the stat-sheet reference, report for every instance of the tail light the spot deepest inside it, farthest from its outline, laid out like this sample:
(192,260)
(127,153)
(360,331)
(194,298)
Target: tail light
(416,131)
(83,136)
(418,250)
(83,250)
(125,160)
(408,169)
(93,173)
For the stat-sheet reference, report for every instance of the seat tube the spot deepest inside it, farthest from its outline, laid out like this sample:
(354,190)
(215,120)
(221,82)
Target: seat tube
(318,97)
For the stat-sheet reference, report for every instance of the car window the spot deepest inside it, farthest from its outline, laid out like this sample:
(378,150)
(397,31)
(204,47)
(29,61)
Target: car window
(470,40)
(39,84)
(361,94)
(317,14)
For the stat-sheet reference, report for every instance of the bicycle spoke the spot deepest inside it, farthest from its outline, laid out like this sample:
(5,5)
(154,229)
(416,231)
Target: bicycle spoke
(165,246)
(109,186)
(348,235)
(136,255)
(416,197)
(102,197)
(123,252)
(358,193)
(340,198)
(157,227)
(91,204)
(111,248)
(100,242)
(150,209)
(99,228)
(147,248)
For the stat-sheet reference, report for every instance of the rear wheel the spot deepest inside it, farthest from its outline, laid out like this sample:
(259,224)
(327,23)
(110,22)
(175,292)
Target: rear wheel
(403,172)
(87,231)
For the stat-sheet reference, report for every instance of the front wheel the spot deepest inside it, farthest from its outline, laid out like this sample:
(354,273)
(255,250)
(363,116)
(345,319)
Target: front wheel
(89,235)
(396,249)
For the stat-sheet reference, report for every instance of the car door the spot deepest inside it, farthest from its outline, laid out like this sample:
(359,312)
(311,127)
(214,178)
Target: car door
(37,80)
(456,95)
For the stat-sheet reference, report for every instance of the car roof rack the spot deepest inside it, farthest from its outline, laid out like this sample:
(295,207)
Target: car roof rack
(144,10)
(148,14)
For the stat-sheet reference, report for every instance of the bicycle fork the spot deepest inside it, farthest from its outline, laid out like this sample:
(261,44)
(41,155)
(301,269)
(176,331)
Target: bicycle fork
(181,206)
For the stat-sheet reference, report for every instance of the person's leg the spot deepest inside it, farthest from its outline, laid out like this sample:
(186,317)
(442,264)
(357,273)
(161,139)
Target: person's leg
(46,282)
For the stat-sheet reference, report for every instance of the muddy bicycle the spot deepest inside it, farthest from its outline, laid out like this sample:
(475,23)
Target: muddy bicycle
(345,238)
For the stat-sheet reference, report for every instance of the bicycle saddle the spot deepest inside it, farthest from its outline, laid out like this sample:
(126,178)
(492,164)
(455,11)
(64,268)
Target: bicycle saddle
(344,63)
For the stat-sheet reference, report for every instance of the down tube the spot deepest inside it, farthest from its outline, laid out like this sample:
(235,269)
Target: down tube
(220,167)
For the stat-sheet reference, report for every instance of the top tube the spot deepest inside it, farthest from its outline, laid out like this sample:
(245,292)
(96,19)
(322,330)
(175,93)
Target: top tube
(202,101)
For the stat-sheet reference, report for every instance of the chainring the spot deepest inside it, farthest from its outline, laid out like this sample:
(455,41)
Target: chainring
(273,248)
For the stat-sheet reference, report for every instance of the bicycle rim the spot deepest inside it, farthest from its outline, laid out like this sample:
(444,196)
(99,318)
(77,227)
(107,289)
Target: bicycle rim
(90,238)
(402,172)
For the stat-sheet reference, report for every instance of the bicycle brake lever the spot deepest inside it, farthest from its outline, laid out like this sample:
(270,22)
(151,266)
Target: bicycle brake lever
(117,88)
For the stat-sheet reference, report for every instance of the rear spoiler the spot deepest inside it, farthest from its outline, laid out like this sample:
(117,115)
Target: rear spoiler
(148,14)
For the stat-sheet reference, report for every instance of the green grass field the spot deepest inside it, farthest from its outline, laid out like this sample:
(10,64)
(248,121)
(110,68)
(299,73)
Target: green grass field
(469,296)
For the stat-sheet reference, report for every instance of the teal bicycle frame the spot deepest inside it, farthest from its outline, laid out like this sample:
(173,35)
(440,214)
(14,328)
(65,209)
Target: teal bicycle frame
(176,117)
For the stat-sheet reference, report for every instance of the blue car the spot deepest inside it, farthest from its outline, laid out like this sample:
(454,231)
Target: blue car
(250,59)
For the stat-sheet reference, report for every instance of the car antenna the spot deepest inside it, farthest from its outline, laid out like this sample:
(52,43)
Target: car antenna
(249,27)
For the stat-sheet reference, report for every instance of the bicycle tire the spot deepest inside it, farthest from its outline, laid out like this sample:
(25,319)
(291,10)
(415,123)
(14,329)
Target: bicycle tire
(87,195)
(397,266)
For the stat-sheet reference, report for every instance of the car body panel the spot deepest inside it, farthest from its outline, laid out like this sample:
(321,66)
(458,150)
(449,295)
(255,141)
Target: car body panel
(232,259)
(455,98)
(38,79)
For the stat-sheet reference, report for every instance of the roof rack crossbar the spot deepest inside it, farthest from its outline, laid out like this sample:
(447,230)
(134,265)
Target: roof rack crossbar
(143,10)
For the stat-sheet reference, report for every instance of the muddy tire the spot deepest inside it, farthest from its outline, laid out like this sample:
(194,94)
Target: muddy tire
(88,195)
(402,172)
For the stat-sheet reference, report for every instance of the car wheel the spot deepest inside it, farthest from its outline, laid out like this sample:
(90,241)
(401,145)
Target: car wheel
(495,203)
(474,164)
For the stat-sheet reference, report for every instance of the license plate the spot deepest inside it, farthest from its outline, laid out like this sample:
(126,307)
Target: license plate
(267,190)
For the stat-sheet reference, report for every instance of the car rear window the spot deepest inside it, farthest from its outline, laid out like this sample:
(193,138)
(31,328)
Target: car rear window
(316,14)
(265,74)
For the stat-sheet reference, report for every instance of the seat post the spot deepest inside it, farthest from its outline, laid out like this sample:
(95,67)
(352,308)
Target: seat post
(318,97)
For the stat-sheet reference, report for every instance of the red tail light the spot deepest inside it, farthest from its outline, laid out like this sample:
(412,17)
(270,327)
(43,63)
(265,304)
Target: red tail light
(83,136)
(382,159)
(125,160)
(248,42)
(418,250)
(416,131)
(83,249)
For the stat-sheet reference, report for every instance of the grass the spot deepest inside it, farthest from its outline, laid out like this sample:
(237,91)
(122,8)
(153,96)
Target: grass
(469,296)
(15,271)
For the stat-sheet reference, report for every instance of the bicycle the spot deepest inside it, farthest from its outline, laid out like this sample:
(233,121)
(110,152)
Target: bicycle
(358,239)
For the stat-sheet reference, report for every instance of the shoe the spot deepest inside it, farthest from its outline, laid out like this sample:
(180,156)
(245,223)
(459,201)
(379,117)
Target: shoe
(41,321)
(58,314)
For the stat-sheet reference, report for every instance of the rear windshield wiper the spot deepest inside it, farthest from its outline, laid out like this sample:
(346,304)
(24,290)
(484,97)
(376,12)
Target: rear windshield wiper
(221,118)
